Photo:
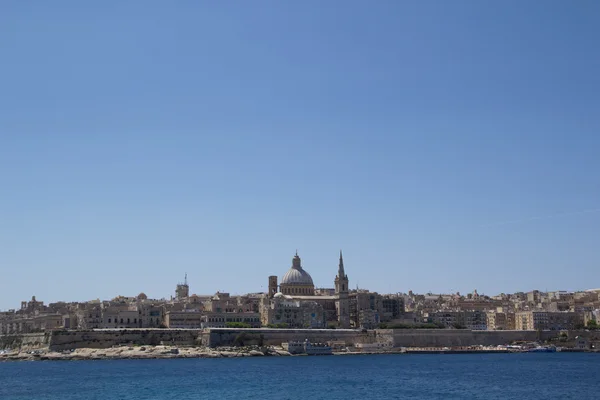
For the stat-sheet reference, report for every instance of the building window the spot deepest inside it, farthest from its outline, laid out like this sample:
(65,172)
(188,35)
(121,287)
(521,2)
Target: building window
(109,320)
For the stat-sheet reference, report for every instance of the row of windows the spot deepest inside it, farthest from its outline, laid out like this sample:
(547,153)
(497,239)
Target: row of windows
(221,319)
(129,320)
(295,290)
(152,313)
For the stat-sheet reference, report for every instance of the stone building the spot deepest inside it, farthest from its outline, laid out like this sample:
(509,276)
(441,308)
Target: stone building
(392,307)
(582,343)
(222,309)
(151,314)
(473,320)
(368,319)
(16,324)
(364,308)
(284,310)
(31,307)
(545,320)
(185,319)
(222,319)
(121,317)
(89,315)
(496,321)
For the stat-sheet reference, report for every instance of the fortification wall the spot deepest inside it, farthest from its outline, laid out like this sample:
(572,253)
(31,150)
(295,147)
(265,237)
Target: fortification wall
(215,337)
(393,337)
(101,339)
(25,341)
(459,337)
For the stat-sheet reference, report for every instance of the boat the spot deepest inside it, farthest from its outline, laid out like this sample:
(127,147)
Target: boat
(543,349)
(311,349)
(318,349)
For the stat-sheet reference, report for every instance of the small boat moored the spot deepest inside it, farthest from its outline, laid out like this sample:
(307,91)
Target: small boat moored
(311,349)
(543,349)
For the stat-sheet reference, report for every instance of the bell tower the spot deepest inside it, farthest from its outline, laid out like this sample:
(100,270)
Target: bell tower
(183,289)
(342,303)
(272,286)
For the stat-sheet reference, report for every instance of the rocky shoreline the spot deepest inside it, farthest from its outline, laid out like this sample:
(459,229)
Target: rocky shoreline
(172,352)
(140,353)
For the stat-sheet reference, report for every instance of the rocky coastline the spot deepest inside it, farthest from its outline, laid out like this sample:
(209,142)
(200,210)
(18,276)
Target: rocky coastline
(173,352)
(140,353)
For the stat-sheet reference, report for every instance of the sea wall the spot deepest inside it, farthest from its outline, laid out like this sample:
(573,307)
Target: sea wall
(101,339)
(215,337)
(457,337)
(25,341)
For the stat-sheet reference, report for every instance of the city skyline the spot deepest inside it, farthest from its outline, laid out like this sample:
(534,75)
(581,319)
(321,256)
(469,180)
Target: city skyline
(445,146)
(264,289)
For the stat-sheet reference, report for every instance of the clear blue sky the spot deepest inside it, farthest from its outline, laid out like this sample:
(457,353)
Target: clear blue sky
(443,145)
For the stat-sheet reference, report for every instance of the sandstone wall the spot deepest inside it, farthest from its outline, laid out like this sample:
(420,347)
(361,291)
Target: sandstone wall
(263,336)
(25,341)
(393,337)
(100,339)
(459,337)
(591,335)
(213,337)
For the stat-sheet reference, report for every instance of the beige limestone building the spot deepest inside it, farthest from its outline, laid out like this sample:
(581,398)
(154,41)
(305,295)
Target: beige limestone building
(473,319)
(500,319)
(221,320)
(546,320)
(185,319)
(293,313)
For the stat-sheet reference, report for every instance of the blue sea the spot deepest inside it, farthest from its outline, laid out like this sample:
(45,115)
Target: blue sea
(459,376)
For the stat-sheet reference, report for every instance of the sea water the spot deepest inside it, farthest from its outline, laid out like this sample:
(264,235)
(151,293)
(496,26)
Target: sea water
(435,376)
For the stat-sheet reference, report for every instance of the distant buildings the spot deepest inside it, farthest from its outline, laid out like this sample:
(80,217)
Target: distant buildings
(184,319)
(500,320)
(473,319)
(296,303)
(546,320)
(283,310)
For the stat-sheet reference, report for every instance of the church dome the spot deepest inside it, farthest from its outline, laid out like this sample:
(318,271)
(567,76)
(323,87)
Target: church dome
(296,275)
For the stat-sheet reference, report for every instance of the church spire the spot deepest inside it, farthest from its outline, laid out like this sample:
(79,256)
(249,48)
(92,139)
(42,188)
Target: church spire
(342,303)
(185,280)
